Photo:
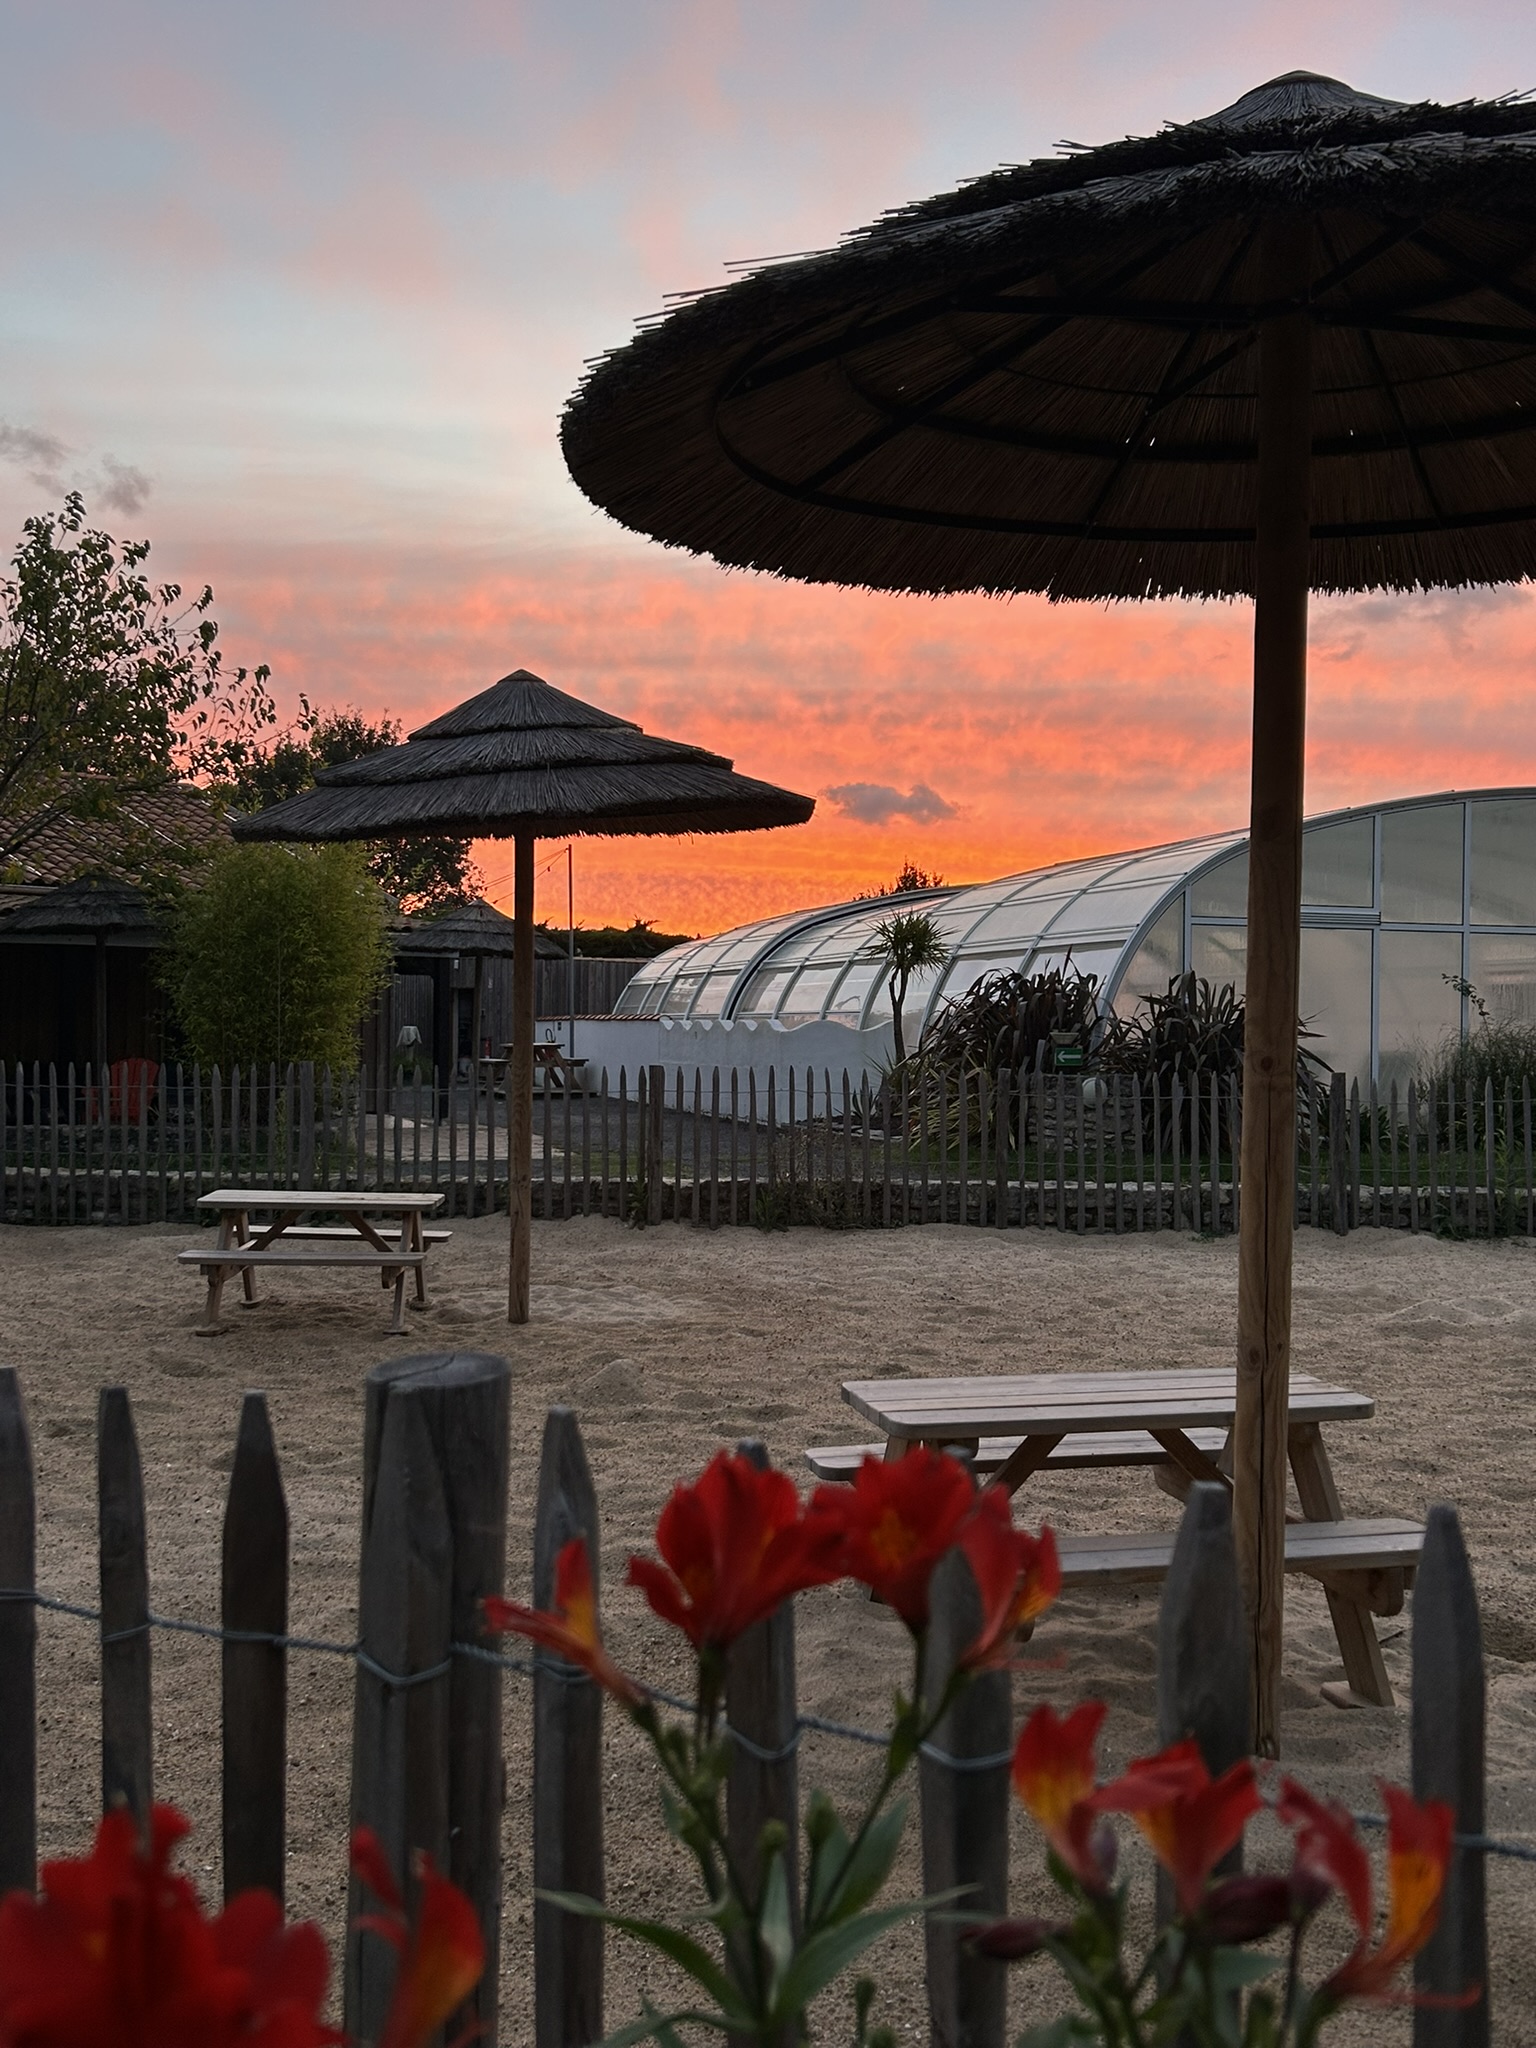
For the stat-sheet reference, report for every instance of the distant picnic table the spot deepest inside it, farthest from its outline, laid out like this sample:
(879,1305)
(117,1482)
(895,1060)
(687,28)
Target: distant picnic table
(360,1239)
(1178,1422)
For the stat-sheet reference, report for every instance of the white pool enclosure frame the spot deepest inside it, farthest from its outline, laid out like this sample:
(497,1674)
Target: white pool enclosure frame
(1406,906)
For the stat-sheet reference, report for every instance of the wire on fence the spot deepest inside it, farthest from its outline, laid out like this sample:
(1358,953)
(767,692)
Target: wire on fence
(567,1673)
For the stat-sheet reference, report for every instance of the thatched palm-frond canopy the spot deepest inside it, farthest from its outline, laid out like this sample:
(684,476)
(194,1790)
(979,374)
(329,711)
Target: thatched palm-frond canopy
(83,909)
(526,757)
(1286,348)
(1048,380)
(525,761)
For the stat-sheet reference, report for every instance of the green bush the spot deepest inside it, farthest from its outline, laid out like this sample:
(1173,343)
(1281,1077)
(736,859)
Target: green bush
(278,955)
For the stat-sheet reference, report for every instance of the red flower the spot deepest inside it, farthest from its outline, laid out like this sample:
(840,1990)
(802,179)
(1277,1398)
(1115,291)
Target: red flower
(897,1520)
(736,1545)
(116,1953)
(1016,1574)
(1054,1772)
(1418,1853)
(1190,1821)
(572,1630)
(441,1957)
(1329,1848)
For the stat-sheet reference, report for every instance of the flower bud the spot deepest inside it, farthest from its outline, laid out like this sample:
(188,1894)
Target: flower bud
(1247,1908)
(1010,1941)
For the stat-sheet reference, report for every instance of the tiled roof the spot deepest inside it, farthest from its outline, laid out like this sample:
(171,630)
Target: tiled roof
(177,815)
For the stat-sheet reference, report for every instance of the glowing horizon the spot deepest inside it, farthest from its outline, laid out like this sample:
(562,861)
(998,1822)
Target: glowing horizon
(299,293)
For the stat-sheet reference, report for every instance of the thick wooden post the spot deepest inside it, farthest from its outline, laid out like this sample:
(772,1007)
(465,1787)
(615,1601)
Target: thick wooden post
(1448,1711)
(1202,1648)
(465,1401)
(400,1719)
(520,1107)
(964,1783)
(18,1643)
(255,1599)
(761,1710)
(127,1746)
(1282,571)
(567,1766)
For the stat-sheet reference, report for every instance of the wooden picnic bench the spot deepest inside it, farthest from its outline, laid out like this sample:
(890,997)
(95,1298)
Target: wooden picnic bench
(286,1241)
(1178,1422)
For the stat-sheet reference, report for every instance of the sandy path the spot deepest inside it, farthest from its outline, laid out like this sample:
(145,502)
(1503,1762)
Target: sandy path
(672,1342)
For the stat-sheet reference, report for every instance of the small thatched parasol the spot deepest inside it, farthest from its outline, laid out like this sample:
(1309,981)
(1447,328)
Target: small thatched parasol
(524,761)
(1290,346)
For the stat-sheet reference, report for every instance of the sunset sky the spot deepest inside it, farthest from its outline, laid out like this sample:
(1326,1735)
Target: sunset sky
(298,290)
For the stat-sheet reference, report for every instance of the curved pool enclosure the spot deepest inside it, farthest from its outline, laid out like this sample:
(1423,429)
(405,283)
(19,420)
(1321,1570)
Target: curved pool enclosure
(1405,905)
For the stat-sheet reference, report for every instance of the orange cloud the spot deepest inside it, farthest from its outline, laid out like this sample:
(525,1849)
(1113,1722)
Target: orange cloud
(1041,732)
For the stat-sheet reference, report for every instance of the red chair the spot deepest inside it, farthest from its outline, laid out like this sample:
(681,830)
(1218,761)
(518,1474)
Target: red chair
(132,1082)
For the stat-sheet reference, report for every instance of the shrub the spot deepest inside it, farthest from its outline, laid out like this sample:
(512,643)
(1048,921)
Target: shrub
(277,955)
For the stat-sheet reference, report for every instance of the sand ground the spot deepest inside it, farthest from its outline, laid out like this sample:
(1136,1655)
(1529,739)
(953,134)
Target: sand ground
(673,1341)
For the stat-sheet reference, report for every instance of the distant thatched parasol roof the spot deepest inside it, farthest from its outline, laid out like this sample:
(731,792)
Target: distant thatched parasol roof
(86,909)
(473,929)
(1048,379)
(526,757)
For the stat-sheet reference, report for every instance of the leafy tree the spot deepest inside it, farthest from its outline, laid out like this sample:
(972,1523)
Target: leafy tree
(110,684)
(277,954)
(420,874)
(638,941)
(906,943)
(910,882)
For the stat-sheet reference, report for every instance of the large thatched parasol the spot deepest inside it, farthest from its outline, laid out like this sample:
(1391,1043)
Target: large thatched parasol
(524,761)
(1290,346)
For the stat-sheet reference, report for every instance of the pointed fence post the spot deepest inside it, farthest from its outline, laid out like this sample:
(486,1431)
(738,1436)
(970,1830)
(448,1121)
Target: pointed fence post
(464,1401)
(1202,1649)
(255,1714)
(567,1763)
(655,1141)
(400,1721)
(762,1714)
(127,1747)
(18,1643)
(963,1777)
(1448,1719)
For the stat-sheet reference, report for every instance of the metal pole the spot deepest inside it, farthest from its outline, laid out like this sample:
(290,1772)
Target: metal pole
(1282,578)
(570,933)
(520,1119)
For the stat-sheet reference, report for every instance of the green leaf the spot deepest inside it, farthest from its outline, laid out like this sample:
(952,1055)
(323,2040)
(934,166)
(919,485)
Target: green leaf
(869,1866)
(829,1851)
(671,1942)
(656,2025)
(774,1929)
(1234,1969)
(826,1954)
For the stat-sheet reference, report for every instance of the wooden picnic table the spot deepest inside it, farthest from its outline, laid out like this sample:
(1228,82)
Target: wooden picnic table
(362,1238)
(1017,1421)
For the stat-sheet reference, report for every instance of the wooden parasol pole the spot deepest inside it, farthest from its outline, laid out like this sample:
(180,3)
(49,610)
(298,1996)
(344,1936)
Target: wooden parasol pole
(520,1120)
(1282,578)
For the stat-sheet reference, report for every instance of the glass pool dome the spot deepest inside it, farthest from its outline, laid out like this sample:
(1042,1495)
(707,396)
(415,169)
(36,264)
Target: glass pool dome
(1405,905)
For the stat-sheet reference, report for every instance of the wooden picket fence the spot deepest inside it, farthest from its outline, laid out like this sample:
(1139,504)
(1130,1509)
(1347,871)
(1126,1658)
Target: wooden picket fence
(1111,1153)
(427,1766)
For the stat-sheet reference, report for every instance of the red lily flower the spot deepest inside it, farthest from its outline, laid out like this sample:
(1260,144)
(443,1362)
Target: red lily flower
(736,1544)
(1190,1820)
(1054,1772)
(1016,1574)
(571,1630)
(441,1957)
(1418,1853)
(1329,1847)
(897,1520)
(116,1952)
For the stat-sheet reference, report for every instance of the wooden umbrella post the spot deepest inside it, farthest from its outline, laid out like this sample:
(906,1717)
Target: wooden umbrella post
(1281,582)
(520,1118)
